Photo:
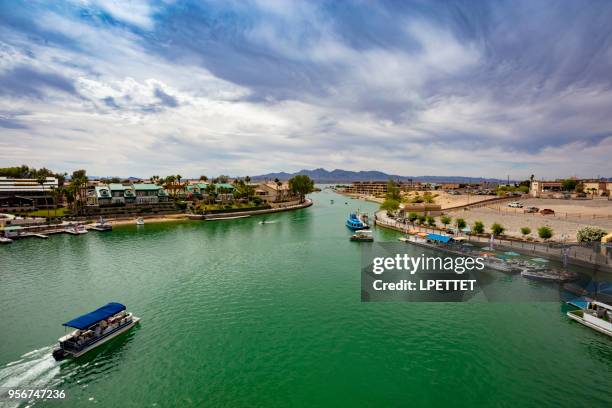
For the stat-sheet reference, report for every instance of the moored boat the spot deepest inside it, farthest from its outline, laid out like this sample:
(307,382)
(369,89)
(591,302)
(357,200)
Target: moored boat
(102,225)
(354,222)
(94,329)
(596,315)
(548,275)
(140,221)
(363,236)
(4,240)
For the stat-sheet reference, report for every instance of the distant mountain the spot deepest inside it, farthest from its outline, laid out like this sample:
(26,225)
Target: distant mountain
(345,176)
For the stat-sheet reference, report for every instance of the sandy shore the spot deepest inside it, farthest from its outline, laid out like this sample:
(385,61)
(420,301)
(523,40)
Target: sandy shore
(152,219)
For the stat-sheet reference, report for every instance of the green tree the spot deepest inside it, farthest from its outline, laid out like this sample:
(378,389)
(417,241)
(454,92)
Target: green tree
(497,229)
(393,192)
(445,219)
(461,224)
(422,219)
(78,182)
(525,231)
(301,185)
(412,217)
(390,205)
(590,234)
(478,227)
(569,185)
(431,221)
(545,232)
(40,179)
(203,178)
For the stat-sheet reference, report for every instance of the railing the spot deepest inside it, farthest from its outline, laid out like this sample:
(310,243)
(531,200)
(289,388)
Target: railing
(576,252)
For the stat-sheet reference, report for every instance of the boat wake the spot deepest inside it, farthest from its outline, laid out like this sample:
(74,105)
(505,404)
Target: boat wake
(267,222)
(36,368)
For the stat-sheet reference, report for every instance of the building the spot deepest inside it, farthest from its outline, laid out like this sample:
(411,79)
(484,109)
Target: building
(272,192)
(17,194)
(116,194)
(122,194)
(540,188)
(597,188)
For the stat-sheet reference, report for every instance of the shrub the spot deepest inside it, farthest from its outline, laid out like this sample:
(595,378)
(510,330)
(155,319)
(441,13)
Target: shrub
(422,219)
(478,227)
(545,232)
(390,205)
(412,217)
(497,229)
(590,234)
(431,221)
(525,231)
(461,224)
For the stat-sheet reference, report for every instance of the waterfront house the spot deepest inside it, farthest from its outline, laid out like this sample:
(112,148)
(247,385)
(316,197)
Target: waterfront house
(225,192)
(17,194)
(272,192)
(102,195)
(121,194)
(147,193)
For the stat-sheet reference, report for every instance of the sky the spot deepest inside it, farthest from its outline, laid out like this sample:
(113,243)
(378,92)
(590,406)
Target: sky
(137,88)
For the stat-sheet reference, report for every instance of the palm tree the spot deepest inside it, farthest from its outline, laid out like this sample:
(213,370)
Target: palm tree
(41,180)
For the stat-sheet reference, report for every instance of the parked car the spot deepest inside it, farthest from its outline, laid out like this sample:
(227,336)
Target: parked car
(532,209)
(515,204)
(547,211)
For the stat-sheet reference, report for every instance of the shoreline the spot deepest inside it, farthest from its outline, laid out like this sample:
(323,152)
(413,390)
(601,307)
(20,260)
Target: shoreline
(186,217)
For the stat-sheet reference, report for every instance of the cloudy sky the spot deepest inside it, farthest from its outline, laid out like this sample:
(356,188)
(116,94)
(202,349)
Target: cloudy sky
(134,88)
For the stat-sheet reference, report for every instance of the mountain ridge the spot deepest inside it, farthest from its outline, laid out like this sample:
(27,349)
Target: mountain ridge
(321,175)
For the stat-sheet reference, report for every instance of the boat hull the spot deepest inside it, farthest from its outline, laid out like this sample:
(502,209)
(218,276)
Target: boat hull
(58,355)
(584,322)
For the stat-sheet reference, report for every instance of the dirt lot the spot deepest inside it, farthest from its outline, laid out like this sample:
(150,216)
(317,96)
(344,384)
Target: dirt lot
(570,216)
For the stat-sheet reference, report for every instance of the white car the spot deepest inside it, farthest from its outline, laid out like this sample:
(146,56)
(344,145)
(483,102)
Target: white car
(515,204)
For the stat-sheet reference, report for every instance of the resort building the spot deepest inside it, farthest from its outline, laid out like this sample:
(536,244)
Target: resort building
(17,194)
(376,188)
(116,194)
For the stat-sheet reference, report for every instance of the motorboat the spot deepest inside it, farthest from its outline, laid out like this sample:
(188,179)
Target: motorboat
(4,240)
(140,221)
(94,329)
(355,223)
(548,275)
(76,229)
(363,236)
(102,225)
(596,315)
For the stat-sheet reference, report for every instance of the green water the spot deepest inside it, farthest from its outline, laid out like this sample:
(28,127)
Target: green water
(237,314)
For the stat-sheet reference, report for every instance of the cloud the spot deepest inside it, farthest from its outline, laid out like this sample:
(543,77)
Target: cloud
(23,81)
(213,87)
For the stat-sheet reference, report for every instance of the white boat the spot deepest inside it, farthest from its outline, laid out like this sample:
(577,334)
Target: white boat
(76,229)
(548,275)
(597,316)
(4,240)
(362,236)
(140,221)
(94,329)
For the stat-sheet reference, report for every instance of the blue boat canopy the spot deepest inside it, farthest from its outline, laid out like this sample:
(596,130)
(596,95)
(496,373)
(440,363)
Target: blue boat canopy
(439,238)
(91,318)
